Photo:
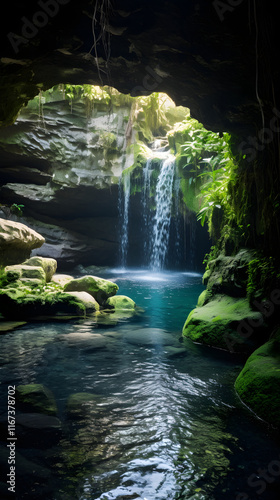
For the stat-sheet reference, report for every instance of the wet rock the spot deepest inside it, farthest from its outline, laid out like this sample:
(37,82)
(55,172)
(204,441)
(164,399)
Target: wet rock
(258,383)
(149,337)
(82,404)
(35,398)
(17,241)
(25,271)
(61,279)
(37,430)
(99,288)
(8,326)
(120,303)
(222,323)
(27,303)
(85,340)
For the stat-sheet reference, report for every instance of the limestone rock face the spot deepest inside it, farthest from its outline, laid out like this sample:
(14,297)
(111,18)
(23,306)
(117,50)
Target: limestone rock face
(17,241)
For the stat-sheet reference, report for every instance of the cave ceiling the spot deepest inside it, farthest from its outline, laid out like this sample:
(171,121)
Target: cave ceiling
(219,58)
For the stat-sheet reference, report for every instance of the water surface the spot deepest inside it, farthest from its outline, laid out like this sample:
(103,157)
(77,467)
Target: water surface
(166,423)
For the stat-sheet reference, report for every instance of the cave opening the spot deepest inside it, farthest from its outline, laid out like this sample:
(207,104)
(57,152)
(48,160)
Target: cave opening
(144,380)
(94,181)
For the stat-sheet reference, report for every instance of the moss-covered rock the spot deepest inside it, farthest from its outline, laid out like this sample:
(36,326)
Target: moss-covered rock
(99,288)
(47,264)
(35,398)
(61,279)
(22,272)
(259,381)
(229,274)
(222,323)
(27,303)
(82,404)
(120,303)
(91,305)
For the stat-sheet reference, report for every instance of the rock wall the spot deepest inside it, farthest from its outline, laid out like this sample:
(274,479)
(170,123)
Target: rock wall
(62,161)
(63,166)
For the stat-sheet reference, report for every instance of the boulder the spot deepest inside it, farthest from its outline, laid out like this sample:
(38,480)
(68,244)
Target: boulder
(25,272)
(91,305)
(48,265)
(259,381)
(120,303)
(82,404)
(61,279)
(35,398)
(99,288)
(228,274)
(17,241)
(225,323)
(150,337)
(25,303)
(37,430)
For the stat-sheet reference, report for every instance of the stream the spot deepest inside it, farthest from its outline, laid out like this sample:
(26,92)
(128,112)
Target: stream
(166,423)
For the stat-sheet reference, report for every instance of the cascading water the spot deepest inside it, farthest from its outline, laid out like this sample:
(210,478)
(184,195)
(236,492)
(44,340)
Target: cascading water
(146,209)
(124,198)
(162,218)
(160,194)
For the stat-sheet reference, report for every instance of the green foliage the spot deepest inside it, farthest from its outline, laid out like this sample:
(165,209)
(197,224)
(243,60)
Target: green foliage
(213,254)
(263,278)
(219,173)
(17,209)
(3,278)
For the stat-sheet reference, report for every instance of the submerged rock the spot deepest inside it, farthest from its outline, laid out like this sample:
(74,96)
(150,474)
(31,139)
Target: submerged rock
(99,288)
(82,404)
(16,242)
(224,323)
(37,430)
(150,337)
(259,381)
(35,398)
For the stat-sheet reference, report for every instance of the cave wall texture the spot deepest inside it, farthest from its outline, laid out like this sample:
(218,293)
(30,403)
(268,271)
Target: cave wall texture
(218,58)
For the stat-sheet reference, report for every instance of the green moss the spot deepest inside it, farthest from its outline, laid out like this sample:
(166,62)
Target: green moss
(264,276)
(99,288)
(120,303)
(259,381)
(216,323)
(35,398)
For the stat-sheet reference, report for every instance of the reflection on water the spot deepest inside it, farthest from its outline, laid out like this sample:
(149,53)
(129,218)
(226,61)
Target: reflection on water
(143,415)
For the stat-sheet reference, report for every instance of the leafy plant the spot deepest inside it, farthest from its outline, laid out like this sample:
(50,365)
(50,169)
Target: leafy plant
(17,209)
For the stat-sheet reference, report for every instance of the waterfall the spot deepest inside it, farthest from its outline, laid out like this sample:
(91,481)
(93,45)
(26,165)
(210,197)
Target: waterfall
(145,198)
(159,197)
(124,198)
(163,199)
